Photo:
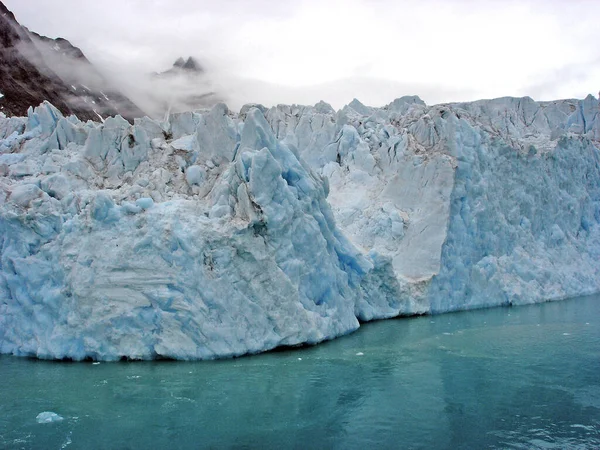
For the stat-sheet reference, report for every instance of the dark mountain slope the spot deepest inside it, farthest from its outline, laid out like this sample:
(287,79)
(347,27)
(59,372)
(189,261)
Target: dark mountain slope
(35,68)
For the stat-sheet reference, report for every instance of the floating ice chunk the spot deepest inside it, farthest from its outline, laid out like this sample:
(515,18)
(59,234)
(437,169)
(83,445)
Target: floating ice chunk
(360,354)
(48,417)
(68,441)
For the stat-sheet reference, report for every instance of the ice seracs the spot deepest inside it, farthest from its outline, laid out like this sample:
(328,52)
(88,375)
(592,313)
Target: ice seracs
(215,234)
(466,201)
(135,249)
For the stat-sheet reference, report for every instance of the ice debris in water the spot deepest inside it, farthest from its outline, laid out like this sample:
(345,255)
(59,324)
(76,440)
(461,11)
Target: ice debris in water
(215,234)
(48,417)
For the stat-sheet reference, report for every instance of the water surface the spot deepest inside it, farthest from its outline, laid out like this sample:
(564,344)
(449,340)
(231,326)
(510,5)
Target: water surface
(526,377)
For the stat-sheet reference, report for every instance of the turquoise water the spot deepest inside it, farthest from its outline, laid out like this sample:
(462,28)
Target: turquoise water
(526,377)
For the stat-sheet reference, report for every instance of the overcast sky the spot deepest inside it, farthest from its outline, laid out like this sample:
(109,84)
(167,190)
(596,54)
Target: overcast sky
(375,50)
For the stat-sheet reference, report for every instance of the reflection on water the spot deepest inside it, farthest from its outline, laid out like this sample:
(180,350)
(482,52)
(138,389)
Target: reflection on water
(526,377)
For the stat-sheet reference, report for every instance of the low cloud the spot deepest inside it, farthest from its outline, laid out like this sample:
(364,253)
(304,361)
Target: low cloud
(570,81)
(304,51)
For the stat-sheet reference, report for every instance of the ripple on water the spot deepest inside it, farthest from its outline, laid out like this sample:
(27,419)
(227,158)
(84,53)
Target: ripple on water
(477,379)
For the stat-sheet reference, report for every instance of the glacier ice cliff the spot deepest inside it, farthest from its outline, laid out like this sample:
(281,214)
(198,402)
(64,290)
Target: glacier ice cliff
(215,234)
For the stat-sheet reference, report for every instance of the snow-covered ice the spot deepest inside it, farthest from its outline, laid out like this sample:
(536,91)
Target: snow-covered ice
(215,234)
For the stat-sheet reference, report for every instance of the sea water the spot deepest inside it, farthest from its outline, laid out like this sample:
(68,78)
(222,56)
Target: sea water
(523,377)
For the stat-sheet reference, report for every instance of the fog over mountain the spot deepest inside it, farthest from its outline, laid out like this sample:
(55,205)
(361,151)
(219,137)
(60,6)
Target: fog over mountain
(36,68)
(183,87)
(306,51)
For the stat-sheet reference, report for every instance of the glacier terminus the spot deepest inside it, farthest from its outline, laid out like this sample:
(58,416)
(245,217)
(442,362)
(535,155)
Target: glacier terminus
(215,234)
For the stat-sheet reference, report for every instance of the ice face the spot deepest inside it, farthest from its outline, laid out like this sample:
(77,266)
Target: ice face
(523,225)
(120,246)
(473,204)
(216,234)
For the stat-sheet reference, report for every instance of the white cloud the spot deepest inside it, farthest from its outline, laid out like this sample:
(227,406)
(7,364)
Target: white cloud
(442,48)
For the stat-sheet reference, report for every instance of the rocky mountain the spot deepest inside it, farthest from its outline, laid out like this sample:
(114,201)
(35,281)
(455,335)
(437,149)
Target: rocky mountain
(34,68)
(181,65)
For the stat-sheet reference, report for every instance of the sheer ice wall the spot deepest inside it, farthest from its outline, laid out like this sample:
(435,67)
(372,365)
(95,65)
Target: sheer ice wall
(474,204)
(217,234)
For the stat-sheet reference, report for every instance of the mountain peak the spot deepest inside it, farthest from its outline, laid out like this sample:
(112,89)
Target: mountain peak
(190,64)
(179,63)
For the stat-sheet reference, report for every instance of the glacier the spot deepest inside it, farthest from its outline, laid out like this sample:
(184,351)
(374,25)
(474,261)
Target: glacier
(216,234)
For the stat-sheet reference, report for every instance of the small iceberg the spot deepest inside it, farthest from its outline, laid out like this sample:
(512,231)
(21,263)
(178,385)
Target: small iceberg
(48,417)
